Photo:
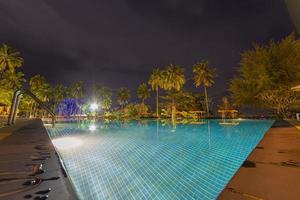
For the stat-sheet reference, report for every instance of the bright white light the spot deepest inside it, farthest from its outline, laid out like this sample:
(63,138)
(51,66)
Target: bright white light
(66,143)
(94,106)
(92,127)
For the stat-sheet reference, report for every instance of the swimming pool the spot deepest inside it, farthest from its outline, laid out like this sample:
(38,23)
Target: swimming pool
(151,160)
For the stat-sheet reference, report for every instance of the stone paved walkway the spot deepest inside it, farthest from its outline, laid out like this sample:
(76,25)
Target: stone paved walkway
(27,155)
(272,170)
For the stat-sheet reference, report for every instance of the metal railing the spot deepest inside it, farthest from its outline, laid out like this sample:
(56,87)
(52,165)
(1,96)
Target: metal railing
(16,101)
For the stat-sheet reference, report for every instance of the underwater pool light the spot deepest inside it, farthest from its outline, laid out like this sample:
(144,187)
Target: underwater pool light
(92,127)
(66,142)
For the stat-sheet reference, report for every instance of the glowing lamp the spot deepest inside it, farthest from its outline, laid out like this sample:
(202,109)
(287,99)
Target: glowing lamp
(94,106)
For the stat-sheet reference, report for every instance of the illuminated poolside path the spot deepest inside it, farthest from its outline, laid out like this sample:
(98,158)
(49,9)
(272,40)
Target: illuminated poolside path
(146,161)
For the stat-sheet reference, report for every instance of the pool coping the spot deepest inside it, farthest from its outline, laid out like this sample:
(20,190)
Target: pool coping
(272,170)
(26,141)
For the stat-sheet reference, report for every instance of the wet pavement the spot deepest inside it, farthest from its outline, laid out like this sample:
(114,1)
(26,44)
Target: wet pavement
(29,166)
(272,171)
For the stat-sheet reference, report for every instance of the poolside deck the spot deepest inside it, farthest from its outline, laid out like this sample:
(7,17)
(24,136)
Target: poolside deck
(23,148)
(272,171)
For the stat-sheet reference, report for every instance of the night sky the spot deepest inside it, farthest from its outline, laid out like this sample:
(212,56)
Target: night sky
(117,42)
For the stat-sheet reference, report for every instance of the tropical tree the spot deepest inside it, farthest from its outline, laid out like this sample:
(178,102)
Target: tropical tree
(143,92)
(76,95)
(186,101)
(40,88)
(76,90)
(57,95)
(9,59)
(25,105)
(8,84)
(266,74)
(205,75)
(5,96)
(173,81)
(280,100)
(123,96)
(104,94)
(12,80)
(156,81)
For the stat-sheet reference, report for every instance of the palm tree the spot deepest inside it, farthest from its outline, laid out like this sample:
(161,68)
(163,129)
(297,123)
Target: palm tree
(12,80)
(156,82)
(123,96)
(76,90)
(205,75)
(9,58)
(104,94)
(57,94)
(173,81)
(143,92)
(40,88)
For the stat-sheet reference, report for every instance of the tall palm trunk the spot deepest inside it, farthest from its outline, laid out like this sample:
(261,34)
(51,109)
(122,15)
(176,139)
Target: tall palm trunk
(157,115)
(206,100)
(54,108)
(173,112)
(32,109)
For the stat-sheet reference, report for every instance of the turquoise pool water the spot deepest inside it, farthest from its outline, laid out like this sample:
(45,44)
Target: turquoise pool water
(150,160)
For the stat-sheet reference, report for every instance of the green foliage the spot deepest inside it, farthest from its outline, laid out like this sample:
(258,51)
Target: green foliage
(173,78)
(280,100)
(9,58)
(156,79)
(265,70)
(6,96)
(134,111)
(123,96)
(76,90)
(203,74)
(173,81)
(10,81)
(25,105)
(143,92)
(130,111)
(104,95)
(39,87)
(56,94)
(185,101)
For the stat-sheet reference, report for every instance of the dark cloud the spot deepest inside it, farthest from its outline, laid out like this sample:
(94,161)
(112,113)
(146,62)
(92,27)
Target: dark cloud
(193,13)
(118,42)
